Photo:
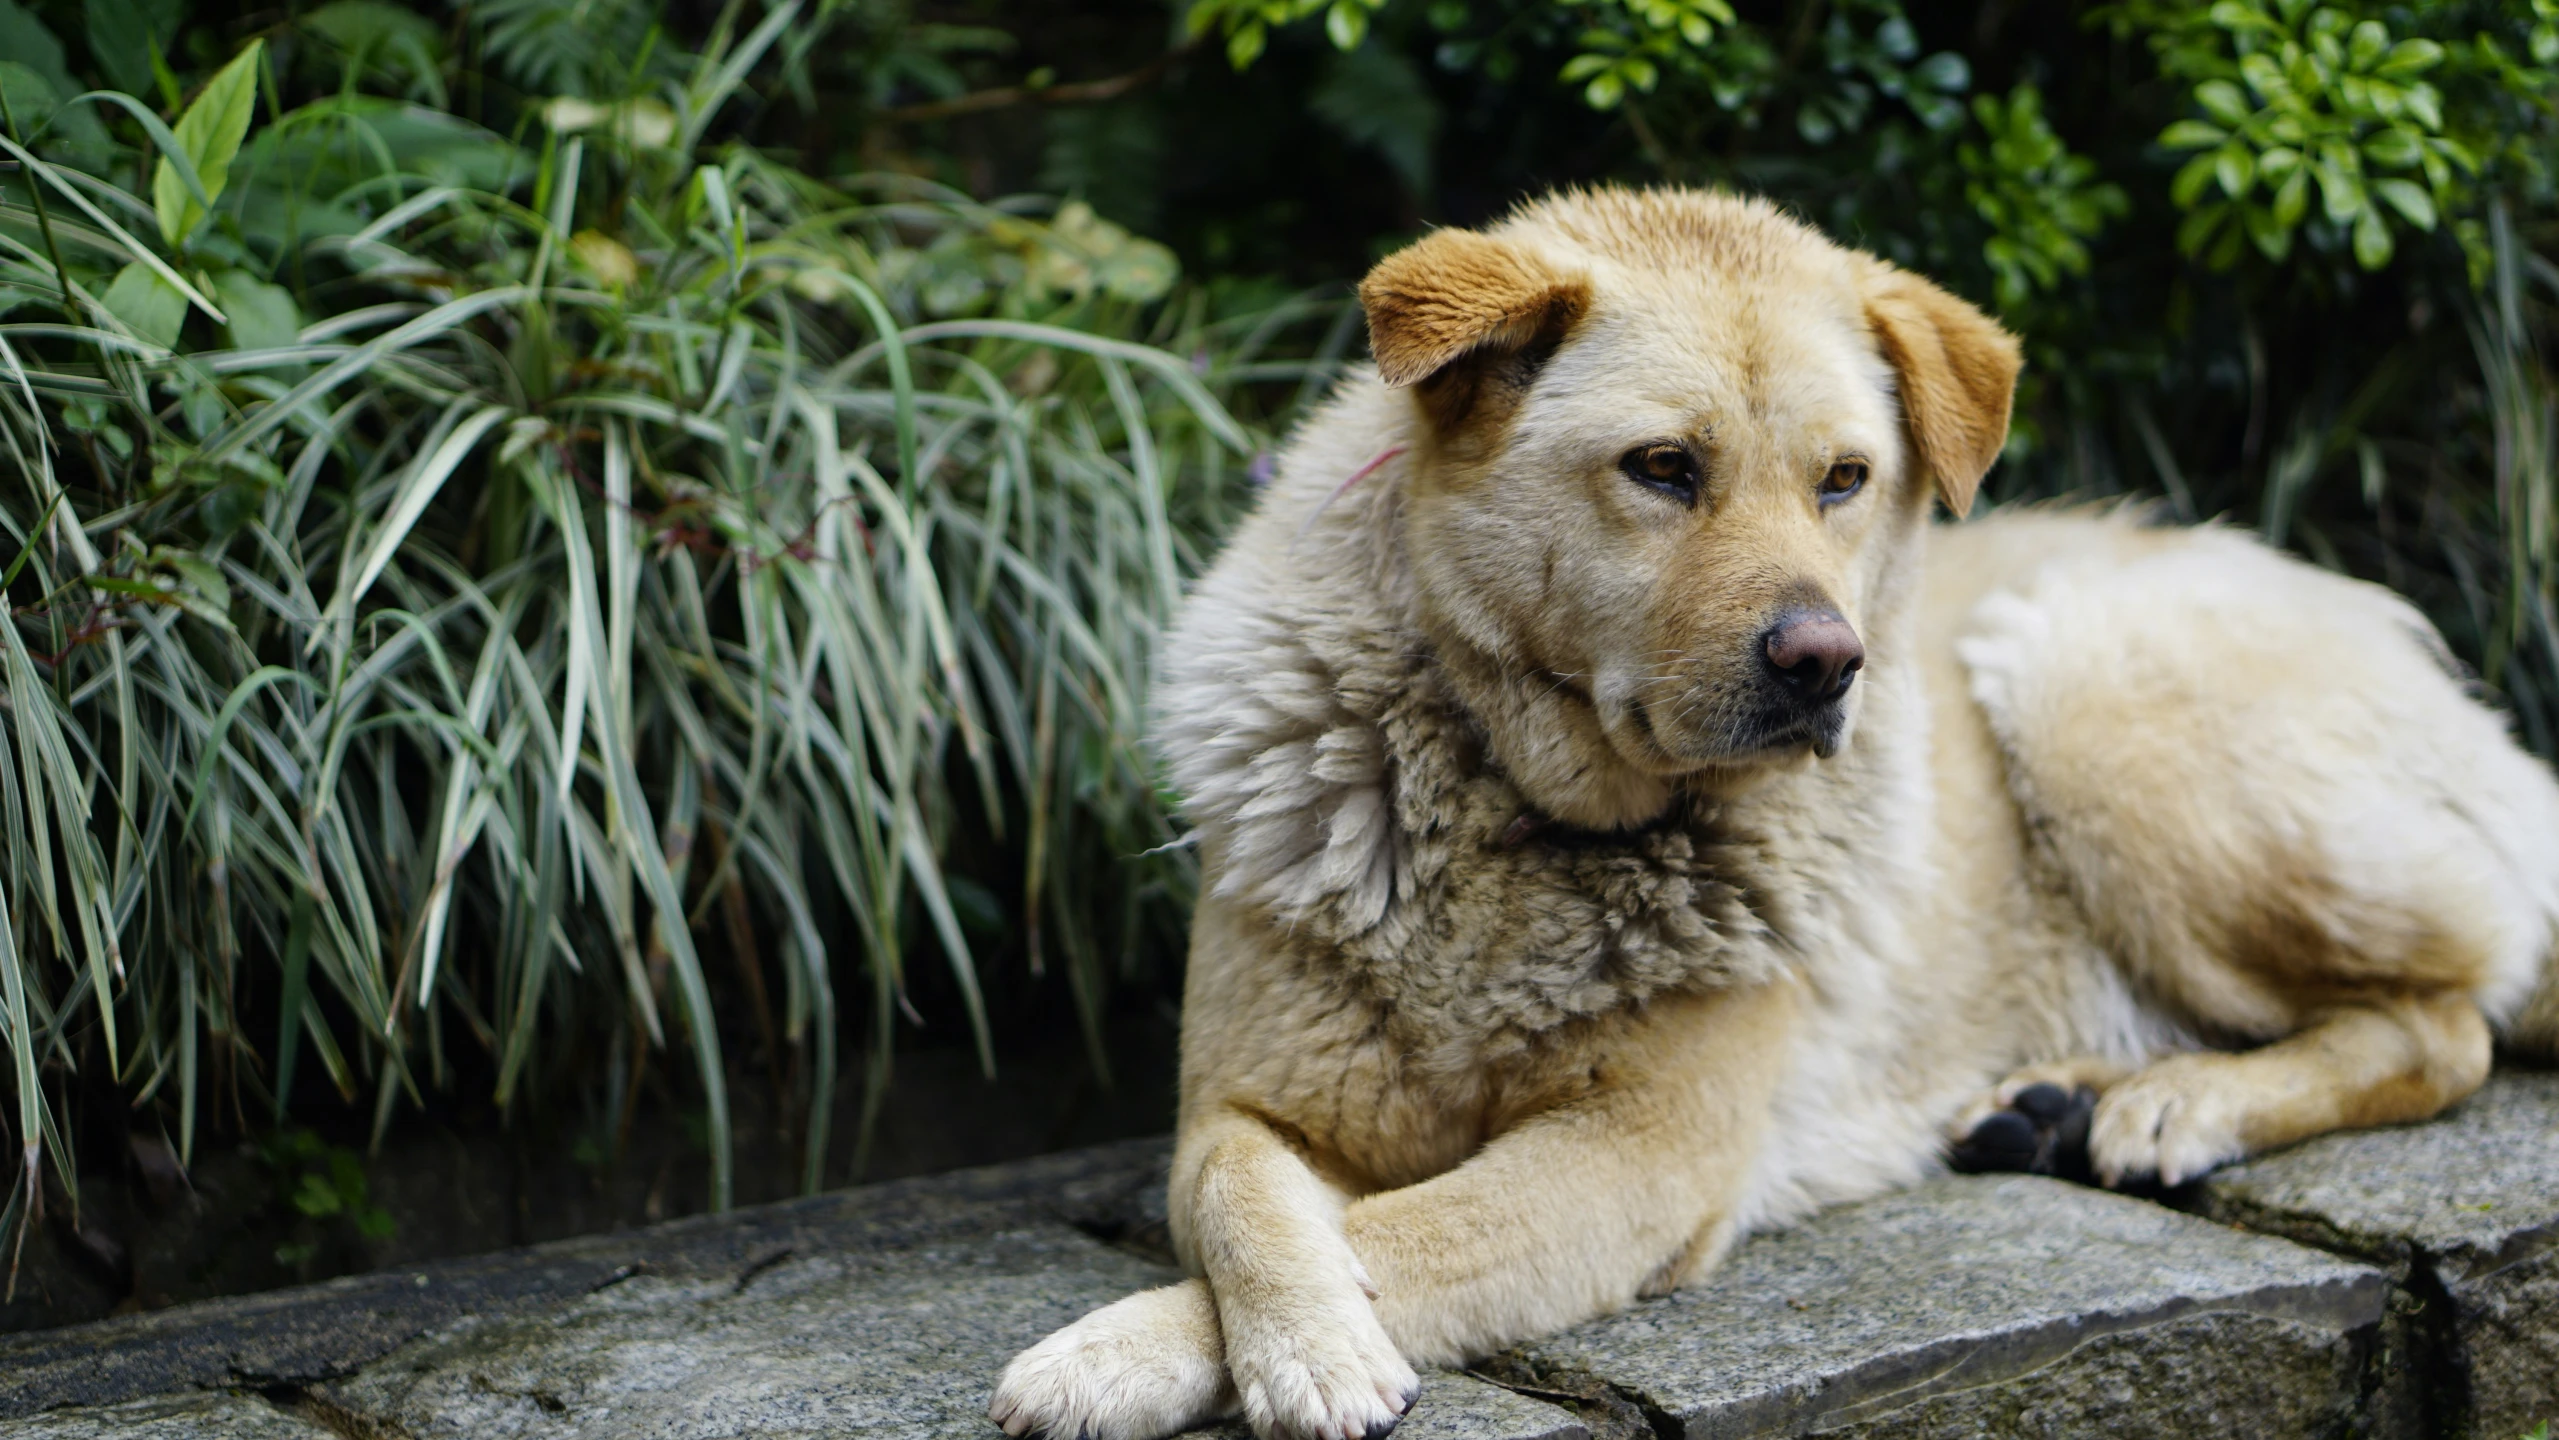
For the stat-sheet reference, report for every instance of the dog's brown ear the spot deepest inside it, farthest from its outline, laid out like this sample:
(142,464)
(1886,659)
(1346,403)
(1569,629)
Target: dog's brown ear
(1958,372)
(1455,294)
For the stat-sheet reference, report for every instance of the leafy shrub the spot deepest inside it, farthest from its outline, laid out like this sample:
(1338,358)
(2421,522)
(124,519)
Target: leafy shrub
(450,572)
(509,568)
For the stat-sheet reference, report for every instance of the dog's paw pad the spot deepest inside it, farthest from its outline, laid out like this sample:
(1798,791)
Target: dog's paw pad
(2042,1131)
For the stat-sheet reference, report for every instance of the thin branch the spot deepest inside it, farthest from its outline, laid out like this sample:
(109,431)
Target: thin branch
(1082,92)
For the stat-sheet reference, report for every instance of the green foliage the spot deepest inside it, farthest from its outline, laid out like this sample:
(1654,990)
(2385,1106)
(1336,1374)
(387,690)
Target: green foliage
(2296,95)
(208,136)
(324,1185)
(127,38)
(2041,202)
(451,576)
(1247,24)
(1628,43)
(514,579)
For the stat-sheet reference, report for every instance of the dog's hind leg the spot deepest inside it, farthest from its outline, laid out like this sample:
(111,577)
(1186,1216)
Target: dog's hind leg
(2276,809)
(2378,1063)
(2375,1063)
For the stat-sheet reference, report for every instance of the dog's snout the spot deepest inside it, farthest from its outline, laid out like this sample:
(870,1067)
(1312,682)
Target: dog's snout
(1815,653)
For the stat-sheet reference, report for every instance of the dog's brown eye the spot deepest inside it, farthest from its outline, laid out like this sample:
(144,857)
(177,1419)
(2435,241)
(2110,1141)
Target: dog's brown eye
(1669,469)
(1845,479)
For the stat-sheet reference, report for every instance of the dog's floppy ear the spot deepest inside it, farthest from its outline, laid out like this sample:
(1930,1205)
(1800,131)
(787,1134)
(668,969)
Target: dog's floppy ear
(1958,371)
(1455,295)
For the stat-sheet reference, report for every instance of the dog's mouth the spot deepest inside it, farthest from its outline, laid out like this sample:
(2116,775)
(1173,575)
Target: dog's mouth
(1731,736)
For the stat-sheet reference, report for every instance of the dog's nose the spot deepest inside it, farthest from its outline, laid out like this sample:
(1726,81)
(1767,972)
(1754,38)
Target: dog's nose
(1815,654)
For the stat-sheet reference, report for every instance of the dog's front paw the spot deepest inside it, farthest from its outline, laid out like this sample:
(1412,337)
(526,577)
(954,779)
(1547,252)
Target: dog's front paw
(1318,1367)
(1149,1366)
(2171,1122)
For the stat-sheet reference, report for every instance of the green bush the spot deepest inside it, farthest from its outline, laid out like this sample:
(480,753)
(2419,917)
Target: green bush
(450,572)
(516,563)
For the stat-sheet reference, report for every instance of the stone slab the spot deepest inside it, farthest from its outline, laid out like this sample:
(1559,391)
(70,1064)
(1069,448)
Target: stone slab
(881,1312)
(2012,1306)
(213,1416)
(320,1332)
(902,1343)
(2463,1213)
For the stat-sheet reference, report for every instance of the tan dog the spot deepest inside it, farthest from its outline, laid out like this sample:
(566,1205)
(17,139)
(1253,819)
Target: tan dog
(1628,822)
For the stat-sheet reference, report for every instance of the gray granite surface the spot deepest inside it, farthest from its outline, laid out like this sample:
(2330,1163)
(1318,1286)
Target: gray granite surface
(2001,1306)
(2381,1285)
(2464,1214)
(202,1415)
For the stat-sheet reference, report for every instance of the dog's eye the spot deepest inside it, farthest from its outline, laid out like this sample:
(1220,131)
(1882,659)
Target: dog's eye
(1669,469)
(1845,479)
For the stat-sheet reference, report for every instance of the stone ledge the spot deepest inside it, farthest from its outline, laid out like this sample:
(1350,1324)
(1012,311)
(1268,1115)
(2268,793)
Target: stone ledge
(322,1332)
(213,1415)
(1999,1306)
(1971,1307)
(2463,1214)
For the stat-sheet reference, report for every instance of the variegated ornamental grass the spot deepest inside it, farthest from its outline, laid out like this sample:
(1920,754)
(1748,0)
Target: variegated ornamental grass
(455,578)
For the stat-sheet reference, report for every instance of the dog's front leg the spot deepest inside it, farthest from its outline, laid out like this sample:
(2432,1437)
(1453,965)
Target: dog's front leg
(1308,1358)
(1625,1189)
(1621,1181)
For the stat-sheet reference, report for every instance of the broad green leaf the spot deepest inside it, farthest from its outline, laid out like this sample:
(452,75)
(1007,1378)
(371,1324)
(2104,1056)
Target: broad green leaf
(2411,57)
(2341,189)
(2372,239)
(1945,71)
(2236,169)
(2394,149)
(211,131)
(2223,102)
(2366,44)
(262,315)
(150,305)
(1346,24)
(2425,103)
(43,115)
(122,34)
(2192,179)
(2292,198)
(2272,238)
(2186,134)
(2409,199)
(26,41)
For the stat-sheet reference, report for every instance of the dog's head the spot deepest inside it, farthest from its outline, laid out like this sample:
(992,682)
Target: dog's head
(1673,440)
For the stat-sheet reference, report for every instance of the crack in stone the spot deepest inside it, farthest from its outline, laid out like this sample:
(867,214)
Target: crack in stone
(320,1408)
(1607,1411)
(757,1268)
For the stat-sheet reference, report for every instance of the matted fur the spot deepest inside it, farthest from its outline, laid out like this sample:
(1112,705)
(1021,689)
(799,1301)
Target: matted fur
(1343,788)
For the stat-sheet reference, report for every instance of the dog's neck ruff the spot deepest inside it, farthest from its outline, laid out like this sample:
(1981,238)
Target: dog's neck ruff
(1341,788)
